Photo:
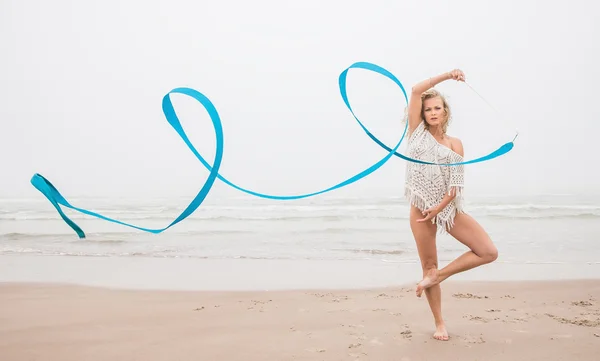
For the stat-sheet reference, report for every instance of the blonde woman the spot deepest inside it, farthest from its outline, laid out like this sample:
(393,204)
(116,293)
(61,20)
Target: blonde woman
(435,194)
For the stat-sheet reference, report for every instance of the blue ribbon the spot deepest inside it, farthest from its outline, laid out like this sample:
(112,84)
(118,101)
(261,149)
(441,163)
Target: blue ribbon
(53,195)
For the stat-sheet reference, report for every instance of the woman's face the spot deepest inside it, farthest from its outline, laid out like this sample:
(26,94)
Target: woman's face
(433,111)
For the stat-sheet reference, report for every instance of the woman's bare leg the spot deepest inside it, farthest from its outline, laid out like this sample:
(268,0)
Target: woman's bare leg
(425,237)
(482,251)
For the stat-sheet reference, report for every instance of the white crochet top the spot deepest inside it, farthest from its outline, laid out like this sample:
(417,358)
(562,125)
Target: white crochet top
(426,185)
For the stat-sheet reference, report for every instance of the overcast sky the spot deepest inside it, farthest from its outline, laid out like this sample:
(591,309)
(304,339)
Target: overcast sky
(81,85)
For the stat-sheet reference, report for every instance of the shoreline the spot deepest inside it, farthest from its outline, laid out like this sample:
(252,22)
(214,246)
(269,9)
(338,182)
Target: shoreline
(252,275)
(498,320)
(484,284)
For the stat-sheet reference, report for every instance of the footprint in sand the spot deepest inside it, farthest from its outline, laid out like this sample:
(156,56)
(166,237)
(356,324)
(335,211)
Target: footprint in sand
(258,305)
(333,297)
(581,303)
(356,348)
(477,318)
(406,334)
(468,295)
(385,295)
(518,320)
(257,302)
(357,355)
(473,339)
(577,321)
(590,313)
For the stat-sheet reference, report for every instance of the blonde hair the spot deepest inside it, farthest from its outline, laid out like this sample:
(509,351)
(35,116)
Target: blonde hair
(432,93)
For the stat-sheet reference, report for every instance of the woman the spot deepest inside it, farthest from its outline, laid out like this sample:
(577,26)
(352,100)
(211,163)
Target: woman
(435,194)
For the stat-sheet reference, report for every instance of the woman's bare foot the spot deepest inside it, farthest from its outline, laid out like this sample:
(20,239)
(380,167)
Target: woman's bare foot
(440,333)
(430,279)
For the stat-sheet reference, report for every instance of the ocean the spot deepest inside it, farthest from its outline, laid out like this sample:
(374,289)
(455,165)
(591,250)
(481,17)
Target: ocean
(302,243)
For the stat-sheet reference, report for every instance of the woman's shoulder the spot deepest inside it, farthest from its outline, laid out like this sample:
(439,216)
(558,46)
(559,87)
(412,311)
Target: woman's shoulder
(456,145)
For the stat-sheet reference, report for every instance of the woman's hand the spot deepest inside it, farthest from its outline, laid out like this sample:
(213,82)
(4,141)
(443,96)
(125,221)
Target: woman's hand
(429,214)
(457,75)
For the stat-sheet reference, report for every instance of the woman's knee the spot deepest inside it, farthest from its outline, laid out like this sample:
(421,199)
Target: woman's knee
(490,253)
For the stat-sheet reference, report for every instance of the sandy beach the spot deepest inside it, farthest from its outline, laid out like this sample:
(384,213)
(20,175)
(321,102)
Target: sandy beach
(541,320)
(231,181)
